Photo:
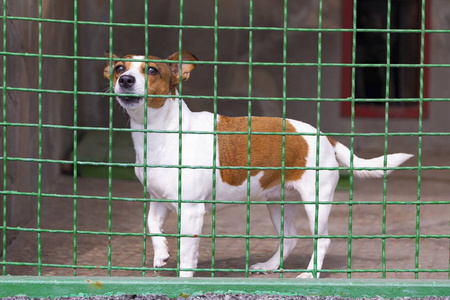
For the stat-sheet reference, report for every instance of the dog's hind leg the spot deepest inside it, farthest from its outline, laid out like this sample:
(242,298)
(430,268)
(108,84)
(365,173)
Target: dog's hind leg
(327,183)
(289,229)
(322,243)
(157,215)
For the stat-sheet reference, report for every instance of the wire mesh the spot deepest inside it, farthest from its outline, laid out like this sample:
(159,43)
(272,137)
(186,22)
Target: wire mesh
(214,268)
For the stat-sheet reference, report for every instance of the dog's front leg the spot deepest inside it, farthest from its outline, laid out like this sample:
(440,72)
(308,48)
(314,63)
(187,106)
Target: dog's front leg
(157,214)
(191,224)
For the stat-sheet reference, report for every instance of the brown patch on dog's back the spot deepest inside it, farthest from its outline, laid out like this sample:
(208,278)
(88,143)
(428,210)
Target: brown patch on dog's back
(332,141)
(266,150)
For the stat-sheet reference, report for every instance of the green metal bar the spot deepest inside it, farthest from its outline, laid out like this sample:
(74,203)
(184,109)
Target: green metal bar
(226,97)
(145,204)
(134,269)
(419,154)
(249,135)
(352,142)
(4,140)
(229,202)
(75,135)
(331,134)
(174,287)
(241,63)
(224,202)
(214,163)
(283,138)
(223,62)
(318,135)
(240,236)
(90,163)
(180,135)
(211,27)
(386,134)
(39,179)
(109,246)
(241,271)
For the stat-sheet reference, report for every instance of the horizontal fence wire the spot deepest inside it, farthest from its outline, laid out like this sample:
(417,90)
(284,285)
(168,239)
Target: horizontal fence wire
(113,234)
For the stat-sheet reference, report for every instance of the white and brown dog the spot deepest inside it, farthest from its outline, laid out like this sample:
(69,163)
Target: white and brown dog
(231,184)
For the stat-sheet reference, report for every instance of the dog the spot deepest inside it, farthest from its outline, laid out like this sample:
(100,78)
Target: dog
(230,159)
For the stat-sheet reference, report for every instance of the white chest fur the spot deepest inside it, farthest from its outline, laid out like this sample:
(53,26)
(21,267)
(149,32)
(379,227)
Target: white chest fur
(161,152)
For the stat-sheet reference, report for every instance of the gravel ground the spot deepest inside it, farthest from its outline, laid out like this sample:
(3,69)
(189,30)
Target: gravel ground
(214,296)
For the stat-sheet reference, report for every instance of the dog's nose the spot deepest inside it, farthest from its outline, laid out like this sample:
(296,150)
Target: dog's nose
(126,81)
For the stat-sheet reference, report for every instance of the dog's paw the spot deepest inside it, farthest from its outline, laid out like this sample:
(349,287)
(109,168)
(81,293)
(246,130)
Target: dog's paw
(160,261)
(305,275)
(263,268)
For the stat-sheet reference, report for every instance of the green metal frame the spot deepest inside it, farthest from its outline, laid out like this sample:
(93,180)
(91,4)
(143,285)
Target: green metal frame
(42,286)
(53,287)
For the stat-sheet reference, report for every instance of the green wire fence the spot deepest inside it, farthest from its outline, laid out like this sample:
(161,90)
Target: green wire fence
(30,176)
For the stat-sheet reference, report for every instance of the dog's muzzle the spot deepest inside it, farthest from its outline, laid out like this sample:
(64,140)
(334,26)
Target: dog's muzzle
(126,83)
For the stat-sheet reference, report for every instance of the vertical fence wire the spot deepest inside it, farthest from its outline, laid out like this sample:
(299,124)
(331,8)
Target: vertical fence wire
(145,204)
(386,134)
(180,135)
(249,136)
(75,132)
(419,151)
(5,154)
(39,179)
(318,135)
(352,142)
(283,137)
(110,141)
(214,163)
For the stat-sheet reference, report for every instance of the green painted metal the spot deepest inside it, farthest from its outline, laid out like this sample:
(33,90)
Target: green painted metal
(214,171)
(4,154)
(75,138)
(249,145)
(419,161)
(43,286)
(174,287)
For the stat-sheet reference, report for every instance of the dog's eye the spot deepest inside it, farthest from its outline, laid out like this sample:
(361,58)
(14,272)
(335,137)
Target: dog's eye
(152,71)
(119,69)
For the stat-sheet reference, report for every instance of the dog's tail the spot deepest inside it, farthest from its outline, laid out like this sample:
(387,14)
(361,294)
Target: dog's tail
(343,158)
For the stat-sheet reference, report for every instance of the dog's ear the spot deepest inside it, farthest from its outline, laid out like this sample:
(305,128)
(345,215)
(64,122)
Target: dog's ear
(186,68)
(107,68)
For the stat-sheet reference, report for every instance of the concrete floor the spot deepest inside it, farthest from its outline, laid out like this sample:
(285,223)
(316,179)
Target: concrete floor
(127,217)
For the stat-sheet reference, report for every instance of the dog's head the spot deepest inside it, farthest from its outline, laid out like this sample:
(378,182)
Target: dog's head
(128,77)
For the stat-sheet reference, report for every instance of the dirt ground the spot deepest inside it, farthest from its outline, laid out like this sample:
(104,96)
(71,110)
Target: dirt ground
(127,217)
